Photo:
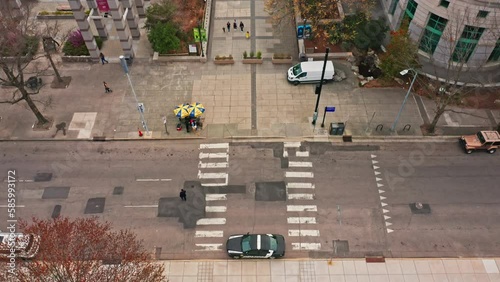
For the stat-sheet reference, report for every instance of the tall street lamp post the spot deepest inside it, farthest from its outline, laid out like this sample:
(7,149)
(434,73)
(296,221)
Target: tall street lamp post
(318,88)
(140,107)
(404,72)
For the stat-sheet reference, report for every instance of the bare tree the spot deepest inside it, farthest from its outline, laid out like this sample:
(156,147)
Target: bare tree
(19,42)
(85,249)
(452,69)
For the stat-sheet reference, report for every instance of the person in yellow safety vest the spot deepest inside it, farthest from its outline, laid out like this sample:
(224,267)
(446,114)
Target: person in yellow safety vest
(247,35)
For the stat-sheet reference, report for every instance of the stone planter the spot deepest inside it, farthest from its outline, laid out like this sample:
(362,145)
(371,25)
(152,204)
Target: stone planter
(252,61)
(224,62)
(282,61)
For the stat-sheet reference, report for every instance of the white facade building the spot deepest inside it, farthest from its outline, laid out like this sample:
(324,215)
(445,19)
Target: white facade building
(460,32)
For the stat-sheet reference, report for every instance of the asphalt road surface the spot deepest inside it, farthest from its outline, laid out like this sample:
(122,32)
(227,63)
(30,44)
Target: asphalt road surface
(340,200)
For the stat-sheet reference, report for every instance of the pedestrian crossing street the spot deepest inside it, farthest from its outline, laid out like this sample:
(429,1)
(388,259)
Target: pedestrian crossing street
(301,210)
(212,172)
(300,206)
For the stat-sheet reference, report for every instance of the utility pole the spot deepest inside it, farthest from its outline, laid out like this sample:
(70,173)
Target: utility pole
(318,88)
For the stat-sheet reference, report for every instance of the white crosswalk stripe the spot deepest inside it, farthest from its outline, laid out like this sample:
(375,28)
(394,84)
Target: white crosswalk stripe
(300,197)
(301,220)
(209,234)
(306,246)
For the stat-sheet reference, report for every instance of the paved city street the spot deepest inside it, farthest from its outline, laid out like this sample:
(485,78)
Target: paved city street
(328,199)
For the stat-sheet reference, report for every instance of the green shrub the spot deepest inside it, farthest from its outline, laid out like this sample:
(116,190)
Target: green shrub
(43,13)
(259,55)
(245,55)
(75,45)
(163,37)
(251,54)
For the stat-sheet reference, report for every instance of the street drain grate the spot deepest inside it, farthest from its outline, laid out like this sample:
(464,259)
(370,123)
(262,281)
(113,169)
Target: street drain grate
(95,205)
(118,190)
(341,247)
(419,208)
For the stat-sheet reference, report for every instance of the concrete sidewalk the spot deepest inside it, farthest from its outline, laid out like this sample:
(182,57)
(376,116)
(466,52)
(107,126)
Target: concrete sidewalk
(241,101)
(337,270)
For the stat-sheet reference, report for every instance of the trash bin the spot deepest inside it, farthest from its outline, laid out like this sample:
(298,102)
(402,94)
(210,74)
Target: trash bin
(341,127)
(334,128)
(129,59)
(302,57)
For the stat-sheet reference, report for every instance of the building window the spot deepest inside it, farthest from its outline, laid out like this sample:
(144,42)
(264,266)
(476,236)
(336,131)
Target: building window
(432,33)
(482,14)
(394,5)
(495,54)
(467,43)
(411,8)
(444,3)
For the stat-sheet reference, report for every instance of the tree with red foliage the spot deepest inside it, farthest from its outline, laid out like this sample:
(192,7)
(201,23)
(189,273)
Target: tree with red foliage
(85,249)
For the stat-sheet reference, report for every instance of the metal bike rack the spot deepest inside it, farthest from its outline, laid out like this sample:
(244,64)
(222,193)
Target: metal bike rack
(407,127)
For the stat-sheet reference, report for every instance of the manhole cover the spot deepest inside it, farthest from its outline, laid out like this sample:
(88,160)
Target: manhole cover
(55,193)
(118,190)
(419,208)
(270,191)
(95,205)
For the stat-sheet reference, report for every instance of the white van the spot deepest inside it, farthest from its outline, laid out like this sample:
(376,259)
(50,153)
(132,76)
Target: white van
(310,72)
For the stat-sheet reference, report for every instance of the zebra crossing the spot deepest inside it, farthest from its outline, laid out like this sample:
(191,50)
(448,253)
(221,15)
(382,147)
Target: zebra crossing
(212,172)
(301,210)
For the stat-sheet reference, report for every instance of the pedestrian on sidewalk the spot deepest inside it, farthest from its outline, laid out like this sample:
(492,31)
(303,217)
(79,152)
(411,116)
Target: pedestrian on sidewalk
(228,26)
(235,25)
(106,87)
(182,194)
(224,29)
(103,59)
(247,35)
(242,26)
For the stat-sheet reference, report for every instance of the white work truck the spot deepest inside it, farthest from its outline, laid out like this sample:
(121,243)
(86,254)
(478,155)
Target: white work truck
(310,72)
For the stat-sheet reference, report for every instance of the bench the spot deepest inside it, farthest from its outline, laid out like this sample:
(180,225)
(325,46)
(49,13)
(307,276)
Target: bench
(63,8)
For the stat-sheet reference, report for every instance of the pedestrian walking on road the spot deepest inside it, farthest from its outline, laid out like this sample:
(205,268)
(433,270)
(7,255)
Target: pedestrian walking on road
(103,59)
(228,26)
(182,194)
(247,35)
(224,29)
(106,87)
(242,26)
(235,25)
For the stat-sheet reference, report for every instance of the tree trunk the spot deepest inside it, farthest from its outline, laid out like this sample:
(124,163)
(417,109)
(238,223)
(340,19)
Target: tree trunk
(439,113)
(33,107)
(59,78)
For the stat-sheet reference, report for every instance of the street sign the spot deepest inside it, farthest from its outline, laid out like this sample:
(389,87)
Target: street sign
(329,109)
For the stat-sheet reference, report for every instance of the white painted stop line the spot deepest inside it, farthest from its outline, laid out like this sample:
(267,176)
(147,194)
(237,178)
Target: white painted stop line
(213,156)
(300,197)
(211,221)
(301,220)
(300,185)
(294,208)
(300,164)
(215,197)
(212,165)
(295,233)
(215,146)
(204,234)
(215,209)
(299,174)
(302,154)
(291,144)
(306,246)
(208,247)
